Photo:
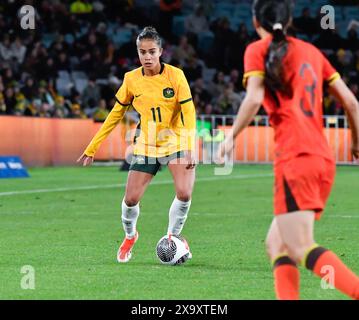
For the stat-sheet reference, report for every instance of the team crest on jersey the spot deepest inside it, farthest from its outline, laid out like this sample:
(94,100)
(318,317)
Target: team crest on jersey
(168,93)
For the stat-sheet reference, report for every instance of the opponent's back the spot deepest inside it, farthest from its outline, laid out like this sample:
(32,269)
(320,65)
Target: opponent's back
(296,114)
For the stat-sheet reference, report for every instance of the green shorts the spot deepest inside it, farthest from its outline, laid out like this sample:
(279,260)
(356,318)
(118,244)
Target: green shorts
(151,165)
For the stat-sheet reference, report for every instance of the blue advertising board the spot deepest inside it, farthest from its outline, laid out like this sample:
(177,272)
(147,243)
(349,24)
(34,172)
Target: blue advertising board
(12,167)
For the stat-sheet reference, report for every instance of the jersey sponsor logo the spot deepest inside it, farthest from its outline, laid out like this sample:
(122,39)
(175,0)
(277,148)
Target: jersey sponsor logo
(168,93)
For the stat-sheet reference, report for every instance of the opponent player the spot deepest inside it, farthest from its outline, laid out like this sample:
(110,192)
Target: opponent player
(165,135)
(286,75)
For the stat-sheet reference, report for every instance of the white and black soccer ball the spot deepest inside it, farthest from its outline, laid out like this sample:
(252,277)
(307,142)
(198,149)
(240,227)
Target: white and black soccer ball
(173,250)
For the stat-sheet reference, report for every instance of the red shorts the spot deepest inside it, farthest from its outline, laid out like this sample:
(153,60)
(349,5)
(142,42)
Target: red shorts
(303,183)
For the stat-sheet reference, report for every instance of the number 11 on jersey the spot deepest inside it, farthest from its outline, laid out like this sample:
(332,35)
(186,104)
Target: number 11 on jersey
(154,114)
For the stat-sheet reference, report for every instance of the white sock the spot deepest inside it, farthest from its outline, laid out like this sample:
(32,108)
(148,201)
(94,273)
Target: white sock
(177,216)
(129,219)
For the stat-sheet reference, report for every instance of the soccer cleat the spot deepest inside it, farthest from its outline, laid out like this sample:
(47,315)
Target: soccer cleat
(125,251)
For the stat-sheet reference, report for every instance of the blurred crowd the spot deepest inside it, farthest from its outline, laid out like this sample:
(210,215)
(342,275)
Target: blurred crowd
(73,62)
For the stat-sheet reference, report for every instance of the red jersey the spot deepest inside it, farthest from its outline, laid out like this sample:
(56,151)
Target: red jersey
(297,120)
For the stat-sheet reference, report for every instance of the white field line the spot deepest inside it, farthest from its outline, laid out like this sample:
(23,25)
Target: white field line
(238,214)
(121,185)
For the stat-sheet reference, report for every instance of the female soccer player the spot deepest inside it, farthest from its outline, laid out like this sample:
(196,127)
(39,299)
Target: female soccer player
(165,135)
(286,75)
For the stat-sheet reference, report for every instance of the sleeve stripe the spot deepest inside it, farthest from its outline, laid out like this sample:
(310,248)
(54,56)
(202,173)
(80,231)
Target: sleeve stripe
(333,78)
(185,101)
(257,73)
(122,104)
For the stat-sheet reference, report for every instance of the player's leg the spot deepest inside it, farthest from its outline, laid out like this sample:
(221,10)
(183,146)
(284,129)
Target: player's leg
(296,229)
(184,181)
(307,183)
(285,271)
(137,183)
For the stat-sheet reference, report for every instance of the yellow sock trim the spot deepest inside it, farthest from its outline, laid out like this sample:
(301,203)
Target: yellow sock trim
(315,245)
(278,257)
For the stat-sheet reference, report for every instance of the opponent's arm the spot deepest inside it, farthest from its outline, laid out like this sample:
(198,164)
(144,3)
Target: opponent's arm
(351,106)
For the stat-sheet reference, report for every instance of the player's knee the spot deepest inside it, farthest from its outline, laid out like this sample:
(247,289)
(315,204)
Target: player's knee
(131,201)
(183,195)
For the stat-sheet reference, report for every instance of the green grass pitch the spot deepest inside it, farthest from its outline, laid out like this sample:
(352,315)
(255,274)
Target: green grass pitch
(70,235)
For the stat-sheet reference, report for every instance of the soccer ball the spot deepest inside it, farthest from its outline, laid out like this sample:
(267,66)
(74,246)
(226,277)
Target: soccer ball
(173,250)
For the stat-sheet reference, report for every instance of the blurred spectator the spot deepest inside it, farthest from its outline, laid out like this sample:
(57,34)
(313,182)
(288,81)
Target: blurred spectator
(236,79)
(81,7)
(168,9)
(44,109)
(77,112)
(229,101)
(200,95)
(60,109)
(184,51)
(329,39)
(18,50)
(10,100)
(352,41)
(91,95)
(101,113)
(237,47)
(5,49)
(217,85)
(47,71)
(29,90)
(223,36)
(305,23)
(44,94)
(2,104)
(196,23)
(192,69)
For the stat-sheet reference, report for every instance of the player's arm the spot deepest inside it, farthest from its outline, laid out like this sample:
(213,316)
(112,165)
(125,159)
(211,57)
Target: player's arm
(188,118)
(246,113)
(114,117)
(123,101)
(351,106)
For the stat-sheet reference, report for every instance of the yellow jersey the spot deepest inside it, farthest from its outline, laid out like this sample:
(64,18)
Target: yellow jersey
(167,114)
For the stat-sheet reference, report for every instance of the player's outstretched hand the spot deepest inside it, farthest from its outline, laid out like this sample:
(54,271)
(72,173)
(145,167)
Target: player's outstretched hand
(85,160)
(356,155)
(190,160)
(225,149)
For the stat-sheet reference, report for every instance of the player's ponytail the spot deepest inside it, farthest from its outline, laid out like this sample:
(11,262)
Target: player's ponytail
(149,33)
(274,16)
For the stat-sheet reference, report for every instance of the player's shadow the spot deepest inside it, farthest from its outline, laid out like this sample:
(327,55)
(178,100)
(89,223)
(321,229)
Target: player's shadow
(190,265)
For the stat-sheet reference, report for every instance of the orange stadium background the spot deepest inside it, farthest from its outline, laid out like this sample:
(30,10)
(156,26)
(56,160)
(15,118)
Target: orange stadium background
(52,142)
